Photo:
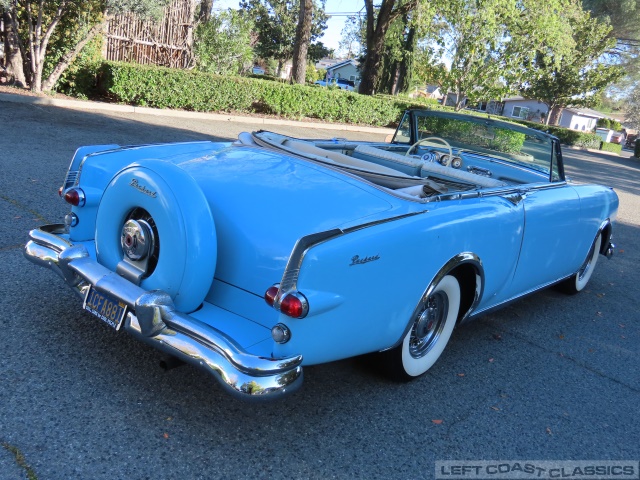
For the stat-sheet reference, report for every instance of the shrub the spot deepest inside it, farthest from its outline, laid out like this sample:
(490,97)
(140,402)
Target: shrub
(611,147)
(198,91)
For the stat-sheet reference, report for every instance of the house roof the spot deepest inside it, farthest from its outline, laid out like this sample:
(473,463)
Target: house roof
(342,64)
(585,112)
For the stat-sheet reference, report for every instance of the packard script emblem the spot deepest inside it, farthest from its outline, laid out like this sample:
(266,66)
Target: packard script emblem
(356,260)
(142,189)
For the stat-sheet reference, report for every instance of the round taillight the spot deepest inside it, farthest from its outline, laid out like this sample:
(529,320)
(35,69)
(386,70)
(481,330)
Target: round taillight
(270,295)
(74,196)
(294,305)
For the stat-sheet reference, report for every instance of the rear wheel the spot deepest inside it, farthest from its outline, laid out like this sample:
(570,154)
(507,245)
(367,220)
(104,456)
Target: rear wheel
(429,333)
(579,280)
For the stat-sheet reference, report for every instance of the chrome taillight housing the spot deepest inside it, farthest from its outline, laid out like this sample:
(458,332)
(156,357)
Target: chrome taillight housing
(292,304)
(75,196)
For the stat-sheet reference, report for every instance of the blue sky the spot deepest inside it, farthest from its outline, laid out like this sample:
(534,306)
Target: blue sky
(334,24)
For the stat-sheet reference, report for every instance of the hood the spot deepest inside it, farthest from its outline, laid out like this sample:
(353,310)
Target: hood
(263,202)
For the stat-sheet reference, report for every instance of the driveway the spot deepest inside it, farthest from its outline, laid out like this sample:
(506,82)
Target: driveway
(550,377)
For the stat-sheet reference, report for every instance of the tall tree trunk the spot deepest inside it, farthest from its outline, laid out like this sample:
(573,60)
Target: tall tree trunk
(303,37)
(376,32)
(13,50)
(39,40)
(69,57)
(205,10)
(553,115)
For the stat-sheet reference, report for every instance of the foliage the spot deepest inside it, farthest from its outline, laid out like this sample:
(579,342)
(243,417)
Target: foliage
(317,51)
(312,74)
(352,37)
(198,91)
(624,18)
(574,77)
(609,123)
(632,109)
(565,135)
(148,9)
(54,32)
(80,77)
(611,147)
(276,22)
(222,44)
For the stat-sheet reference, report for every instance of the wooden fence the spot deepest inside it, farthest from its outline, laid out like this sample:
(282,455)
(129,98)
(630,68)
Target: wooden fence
(167,42)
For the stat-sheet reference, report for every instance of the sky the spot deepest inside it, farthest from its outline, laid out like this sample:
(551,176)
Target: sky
(335,23)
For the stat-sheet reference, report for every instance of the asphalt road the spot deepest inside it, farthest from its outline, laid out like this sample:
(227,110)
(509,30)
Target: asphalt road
(550,377)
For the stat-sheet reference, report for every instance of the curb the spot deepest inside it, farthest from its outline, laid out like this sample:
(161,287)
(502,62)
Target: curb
(109,107)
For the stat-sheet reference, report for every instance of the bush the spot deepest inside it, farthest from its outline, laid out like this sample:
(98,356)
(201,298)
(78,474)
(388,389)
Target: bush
(205,92)
(609,123)
(566,136)
(611,147)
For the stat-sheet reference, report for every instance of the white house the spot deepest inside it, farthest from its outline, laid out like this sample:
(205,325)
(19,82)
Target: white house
(582,119)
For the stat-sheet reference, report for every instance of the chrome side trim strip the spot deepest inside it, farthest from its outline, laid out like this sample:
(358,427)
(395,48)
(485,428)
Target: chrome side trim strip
(154,320)
(289,282)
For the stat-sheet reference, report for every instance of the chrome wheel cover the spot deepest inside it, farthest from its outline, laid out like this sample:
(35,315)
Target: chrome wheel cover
(429,325)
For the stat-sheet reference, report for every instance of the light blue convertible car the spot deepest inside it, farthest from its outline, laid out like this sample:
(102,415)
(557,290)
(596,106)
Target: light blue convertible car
(255,258)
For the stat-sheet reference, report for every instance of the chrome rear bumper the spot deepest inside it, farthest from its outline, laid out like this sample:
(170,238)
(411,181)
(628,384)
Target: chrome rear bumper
(153,319)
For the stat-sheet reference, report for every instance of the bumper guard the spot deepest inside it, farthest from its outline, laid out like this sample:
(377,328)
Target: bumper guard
(152,319)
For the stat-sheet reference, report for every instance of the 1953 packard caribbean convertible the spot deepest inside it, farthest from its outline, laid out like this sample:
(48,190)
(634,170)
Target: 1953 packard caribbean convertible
(255,258)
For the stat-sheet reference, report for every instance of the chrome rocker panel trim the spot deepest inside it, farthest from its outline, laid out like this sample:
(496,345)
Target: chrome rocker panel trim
(154,320)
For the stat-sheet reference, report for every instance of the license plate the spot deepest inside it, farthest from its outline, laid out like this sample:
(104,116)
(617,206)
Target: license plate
(105,307)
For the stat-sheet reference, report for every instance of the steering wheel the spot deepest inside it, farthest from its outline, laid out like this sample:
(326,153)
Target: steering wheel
(420,142)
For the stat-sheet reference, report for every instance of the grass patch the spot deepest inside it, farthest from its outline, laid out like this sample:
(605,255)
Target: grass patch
(21,461)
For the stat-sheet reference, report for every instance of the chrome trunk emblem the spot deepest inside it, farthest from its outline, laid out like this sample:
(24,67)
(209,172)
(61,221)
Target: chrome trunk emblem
(136,239)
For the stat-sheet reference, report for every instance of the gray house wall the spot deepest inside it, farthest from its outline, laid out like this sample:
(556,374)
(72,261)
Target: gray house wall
(348,72)
(535,110)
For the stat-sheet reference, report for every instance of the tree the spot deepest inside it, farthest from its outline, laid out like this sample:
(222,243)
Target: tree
(303,37)
(632,110)
(13,47)
(378,21)
(576,77)
(624,18)
(352,37)
(222,44)
(39,21)
(318,51)
(276,24)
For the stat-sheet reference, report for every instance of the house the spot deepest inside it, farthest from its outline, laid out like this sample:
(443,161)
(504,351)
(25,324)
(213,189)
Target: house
(433,91)
(347,70)
(524,108)
(581,119)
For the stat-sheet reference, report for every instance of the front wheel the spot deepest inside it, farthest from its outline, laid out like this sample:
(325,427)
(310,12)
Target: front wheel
(579,280)
(429,333)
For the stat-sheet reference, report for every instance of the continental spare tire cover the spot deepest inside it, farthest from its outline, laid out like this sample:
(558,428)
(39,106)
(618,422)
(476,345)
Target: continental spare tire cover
(166,198)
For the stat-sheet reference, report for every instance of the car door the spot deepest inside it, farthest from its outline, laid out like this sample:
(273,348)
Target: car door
(551,236)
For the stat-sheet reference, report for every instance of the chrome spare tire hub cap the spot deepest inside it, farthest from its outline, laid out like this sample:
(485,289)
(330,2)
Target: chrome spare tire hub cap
(136,239)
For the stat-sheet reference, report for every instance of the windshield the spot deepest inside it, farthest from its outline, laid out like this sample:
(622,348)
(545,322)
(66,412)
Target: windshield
(486,137)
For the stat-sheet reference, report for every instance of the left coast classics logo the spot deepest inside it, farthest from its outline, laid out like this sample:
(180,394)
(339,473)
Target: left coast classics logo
(142,189)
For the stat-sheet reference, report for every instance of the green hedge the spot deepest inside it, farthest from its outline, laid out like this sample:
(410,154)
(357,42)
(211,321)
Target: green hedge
(611,147)
(160,87)
(190,90)
(566,136)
